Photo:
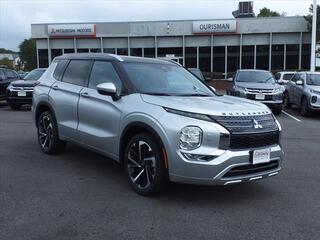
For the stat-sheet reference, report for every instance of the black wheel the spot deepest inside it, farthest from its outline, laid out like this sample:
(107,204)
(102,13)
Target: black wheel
(286,102)
(277,111)
(14,106)
(304,109)
(144,165)
(48,137)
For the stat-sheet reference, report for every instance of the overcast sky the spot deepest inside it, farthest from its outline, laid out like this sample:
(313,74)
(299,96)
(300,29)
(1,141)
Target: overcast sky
(16,16)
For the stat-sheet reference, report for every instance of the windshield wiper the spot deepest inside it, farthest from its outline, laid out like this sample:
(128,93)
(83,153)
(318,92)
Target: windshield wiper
(156,94)
(194,95)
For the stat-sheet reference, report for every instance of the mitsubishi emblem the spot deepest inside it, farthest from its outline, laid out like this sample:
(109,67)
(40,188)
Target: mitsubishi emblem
(256,125)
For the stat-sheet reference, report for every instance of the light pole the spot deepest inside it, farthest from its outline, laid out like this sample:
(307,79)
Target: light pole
(314,37)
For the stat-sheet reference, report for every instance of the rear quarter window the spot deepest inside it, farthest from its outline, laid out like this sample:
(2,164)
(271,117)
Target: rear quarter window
(61,66)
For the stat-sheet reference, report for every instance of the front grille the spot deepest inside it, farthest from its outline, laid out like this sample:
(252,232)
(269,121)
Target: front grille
(22,88)
(252,169)
(254,140)
(259,91)
(247,124)
(253,97)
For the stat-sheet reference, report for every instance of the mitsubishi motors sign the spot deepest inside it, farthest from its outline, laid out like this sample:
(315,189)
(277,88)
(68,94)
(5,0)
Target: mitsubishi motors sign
(72,30)
(215,27)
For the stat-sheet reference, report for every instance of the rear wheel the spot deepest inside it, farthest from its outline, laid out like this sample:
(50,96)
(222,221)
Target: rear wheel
(48,137)
(304,110)
(144,165)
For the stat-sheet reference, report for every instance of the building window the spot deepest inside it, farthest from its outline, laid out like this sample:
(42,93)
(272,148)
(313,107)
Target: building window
(263,57)
(149,52)
(205,59)
(219,59)
(277,57)
(69,50)
(55,53)
(191,57)
(109,50)
(174,51)
(306,55)
(247,57)
(292,57)
(43,58)
(122,51)
(95,50)
(83,50)
(136,52)
(233,59)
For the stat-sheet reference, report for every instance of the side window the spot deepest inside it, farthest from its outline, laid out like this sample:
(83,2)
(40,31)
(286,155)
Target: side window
(295,78)
(10,74)
(77,72)
(58,72)
(103,72)
(277,76)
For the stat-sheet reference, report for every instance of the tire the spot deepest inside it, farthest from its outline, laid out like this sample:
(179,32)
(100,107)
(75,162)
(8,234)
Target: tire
(144,165)
(277,111)
(14,106)
(48,136)
(304,108)
(286,102)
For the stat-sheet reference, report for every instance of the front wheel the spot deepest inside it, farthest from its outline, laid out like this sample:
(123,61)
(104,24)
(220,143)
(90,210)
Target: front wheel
(48,136)
(144,165)
(304,110)
(286,103)
(277,111)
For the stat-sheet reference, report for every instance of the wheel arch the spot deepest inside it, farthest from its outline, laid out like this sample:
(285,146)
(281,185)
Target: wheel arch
(42,107)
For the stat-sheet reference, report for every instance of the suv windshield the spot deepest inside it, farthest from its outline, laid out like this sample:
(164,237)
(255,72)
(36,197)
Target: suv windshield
(255,76)
(313,79)
(165,79)
(34,74)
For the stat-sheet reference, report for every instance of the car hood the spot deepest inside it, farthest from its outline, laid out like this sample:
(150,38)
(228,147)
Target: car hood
(217,105)
(24,83)
(269,86)
(316,88)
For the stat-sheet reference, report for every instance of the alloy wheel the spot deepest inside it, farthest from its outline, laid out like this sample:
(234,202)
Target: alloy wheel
(45,132)
(141,164)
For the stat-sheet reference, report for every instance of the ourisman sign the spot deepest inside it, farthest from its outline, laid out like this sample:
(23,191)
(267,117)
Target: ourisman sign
(72,30)
(223,26)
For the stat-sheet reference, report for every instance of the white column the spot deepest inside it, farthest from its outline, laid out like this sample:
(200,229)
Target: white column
(37,55)
(129,46)
(240,54)
(198,57)
(314,36)
(49,52)
(226,62)
(211,57)
(285,57)
(300,51)
(75,45)
(270,53)
(183,51)
(155,46)
(101,44)
(255,57)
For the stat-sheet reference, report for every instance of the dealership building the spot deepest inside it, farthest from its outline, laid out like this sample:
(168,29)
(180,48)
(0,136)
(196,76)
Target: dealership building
(221,45)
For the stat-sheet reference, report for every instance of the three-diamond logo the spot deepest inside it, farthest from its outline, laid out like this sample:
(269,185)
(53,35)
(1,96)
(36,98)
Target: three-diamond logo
(256,125)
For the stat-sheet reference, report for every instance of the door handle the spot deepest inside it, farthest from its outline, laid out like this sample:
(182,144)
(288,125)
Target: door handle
(55,87)
(85,94)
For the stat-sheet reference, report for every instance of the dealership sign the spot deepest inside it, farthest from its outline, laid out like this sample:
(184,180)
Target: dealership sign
(220,26)
(72,30)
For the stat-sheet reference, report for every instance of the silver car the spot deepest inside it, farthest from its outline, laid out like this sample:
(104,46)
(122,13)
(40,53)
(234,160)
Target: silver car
(157,120)
(303,90)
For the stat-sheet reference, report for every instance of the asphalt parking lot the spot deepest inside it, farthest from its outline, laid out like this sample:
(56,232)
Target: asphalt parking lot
(82,195)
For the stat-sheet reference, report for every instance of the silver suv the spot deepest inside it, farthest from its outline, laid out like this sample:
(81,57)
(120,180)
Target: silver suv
(155,118)
(303,90)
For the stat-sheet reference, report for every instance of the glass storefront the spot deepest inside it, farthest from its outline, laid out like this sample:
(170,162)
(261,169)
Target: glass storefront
(292,56)
(191,57)
(247,57)
(277,57)
(233,59)
(219,59)
(262,57)
(205,59)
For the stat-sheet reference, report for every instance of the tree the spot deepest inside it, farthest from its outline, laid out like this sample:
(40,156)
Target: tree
(309,20)
(28,54)
(3,50)
(266,12)
(6,62)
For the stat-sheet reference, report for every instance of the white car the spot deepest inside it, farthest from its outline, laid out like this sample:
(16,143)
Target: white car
(284,77)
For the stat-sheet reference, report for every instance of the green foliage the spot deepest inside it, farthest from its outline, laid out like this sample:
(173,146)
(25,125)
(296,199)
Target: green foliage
(266,12)
(3,50)
(6,62)
(309,20)
(28,54)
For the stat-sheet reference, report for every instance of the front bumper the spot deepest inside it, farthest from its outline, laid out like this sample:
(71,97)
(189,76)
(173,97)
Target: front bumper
(13,98)
(217,171)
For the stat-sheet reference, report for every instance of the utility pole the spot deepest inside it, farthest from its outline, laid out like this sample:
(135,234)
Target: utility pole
(314,37)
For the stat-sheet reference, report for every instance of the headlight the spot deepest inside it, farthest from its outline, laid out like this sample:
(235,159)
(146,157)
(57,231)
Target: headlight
(190,138)
(315,92)
(279,90)
(9,87)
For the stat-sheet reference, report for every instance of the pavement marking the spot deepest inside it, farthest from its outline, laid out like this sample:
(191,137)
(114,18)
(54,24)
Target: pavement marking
(289,115)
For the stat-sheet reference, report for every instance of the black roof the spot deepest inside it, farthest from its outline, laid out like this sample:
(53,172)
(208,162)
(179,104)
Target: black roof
(112,57)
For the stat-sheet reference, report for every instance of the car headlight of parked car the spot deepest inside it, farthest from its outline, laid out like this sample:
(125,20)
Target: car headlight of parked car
(240,91)
(315,91)
(190,138)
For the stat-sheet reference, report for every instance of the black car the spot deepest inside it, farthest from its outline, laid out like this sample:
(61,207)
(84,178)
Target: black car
(197,72)
(20,92)
(6,77)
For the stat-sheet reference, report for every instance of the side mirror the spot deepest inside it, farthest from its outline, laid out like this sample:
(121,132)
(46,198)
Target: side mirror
(213,88)
(108,89)
(299,83)
(230,79)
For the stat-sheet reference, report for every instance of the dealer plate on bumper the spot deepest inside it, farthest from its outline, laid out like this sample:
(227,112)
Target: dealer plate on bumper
(261,156)
(260,97)
(22,93)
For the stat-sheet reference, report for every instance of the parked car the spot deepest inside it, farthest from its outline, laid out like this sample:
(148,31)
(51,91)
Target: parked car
(22,74)
(155,118)
(283,77)
(258,85)
(19,92)
(6,77)
(303,90)
(197,72)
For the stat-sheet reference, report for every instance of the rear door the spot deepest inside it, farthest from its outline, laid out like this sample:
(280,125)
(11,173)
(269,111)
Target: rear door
(99,115)
(291,85)
(298,90)
(64,96)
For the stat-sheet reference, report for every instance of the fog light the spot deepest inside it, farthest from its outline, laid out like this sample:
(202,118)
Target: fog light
(190,138)
(314,99)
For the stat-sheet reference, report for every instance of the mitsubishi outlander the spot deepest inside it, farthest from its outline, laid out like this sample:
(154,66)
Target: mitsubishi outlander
(155,118)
